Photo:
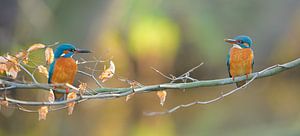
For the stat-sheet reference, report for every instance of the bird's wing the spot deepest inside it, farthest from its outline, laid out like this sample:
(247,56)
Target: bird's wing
(51,68)
(228,63)
(252,60)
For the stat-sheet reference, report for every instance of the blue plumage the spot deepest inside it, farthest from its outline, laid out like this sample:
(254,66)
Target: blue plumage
(51,68)
(228,63)
(64,68)
(58,53)
(241,39)
(240,57)
(64,47)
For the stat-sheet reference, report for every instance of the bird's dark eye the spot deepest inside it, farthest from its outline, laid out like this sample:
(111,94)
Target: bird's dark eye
(240,42)
(72,50)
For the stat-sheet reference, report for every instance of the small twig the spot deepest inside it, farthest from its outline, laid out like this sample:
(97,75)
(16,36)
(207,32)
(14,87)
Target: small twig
(32,77)
(83,61)
(51,45)
(223,95)
(184,77)
(91,76)
(132,83)
(110,93)
(199,102)
(162,74)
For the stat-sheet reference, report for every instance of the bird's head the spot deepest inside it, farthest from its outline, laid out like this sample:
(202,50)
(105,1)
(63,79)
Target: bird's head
(240,41)
(67,50)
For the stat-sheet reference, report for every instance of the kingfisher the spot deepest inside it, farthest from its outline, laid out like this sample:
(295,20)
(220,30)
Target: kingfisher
(64,68)
(240,57)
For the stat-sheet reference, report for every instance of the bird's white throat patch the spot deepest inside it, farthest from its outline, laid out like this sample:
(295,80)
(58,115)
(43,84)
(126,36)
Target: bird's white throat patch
(63,55)
(237,46)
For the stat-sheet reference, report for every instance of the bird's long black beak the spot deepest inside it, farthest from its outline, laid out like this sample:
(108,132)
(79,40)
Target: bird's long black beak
(83,51)
(231,41)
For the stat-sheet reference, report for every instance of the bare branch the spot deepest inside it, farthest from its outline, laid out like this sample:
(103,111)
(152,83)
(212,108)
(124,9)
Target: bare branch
(184,77)
(30,74)
(110,93)
(209,101)
(91,76)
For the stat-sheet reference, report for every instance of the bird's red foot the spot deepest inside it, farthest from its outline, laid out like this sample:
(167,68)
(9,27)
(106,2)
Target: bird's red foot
(247,76)
(233,78)
(67,90)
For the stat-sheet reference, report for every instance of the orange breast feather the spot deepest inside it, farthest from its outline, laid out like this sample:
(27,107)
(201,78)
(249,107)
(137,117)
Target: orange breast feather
(240,61)
(64,71)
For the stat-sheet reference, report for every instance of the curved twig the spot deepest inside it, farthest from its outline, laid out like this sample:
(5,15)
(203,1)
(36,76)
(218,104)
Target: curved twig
(120,92)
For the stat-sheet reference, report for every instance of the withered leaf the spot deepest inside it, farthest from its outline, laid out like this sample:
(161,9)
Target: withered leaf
(129,96)
(43,111)
(43,70)
(162,97)
(12,67)
(23,55)
(108,73)
(36,47)
(71,105)
(4,103)
(82,88)
(49,55)
(3,67)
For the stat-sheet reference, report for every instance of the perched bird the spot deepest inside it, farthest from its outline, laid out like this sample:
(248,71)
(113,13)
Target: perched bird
(64,68)
(240,58)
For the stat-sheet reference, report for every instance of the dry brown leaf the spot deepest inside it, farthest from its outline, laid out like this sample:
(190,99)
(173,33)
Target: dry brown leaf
(71,95)
(49,55)
(51,96)
(162,97)
(12,67)
(4,103)
(82,88)
(129,96)
(3,67)
(108,73)
(23,55)
(43,70)
(9,65)
(43,111)
(36,47)
(71,105)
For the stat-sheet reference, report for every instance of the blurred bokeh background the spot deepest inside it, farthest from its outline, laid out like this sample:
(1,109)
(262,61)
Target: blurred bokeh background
(172,36)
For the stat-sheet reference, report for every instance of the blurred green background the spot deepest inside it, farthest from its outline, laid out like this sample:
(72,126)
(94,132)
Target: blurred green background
(172,36)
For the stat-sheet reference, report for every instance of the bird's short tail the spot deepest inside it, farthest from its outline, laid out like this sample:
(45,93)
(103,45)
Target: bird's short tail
(241,83)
